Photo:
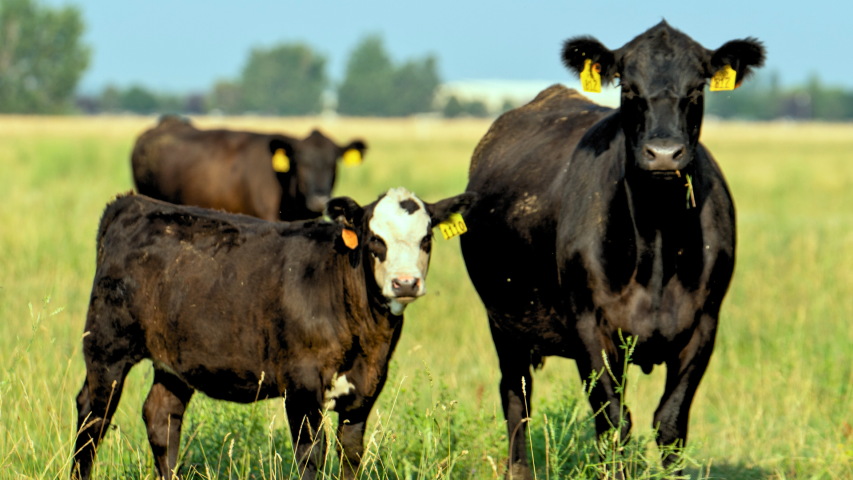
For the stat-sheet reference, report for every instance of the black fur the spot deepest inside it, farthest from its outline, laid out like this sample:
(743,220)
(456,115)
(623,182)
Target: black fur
(578,236)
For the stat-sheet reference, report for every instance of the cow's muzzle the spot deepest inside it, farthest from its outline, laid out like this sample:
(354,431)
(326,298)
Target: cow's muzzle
(317,203)
(406,289)
(664,156)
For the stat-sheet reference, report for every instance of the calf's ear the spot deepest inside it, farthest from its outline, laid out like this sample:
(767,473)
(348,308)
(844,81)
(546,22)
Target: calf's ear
(278,143)
(344,211)
(441,210)
(578,49)
(742,55)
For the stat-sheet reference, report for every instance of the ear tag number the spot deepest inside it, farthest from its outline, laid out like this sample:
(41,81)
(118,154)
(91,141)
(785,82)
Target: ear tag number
(453,226)
(724,79)
(350,238)
(280,162)
(591,76)
(352,157)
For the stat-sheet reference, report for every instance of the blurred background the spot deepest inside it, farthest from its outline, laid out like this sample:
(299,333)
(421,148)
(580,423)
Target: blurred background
(382,58)
(420,83)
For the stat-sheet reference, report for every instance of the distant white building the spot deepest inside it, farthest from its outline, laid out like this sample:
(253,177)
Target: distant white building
(518,92)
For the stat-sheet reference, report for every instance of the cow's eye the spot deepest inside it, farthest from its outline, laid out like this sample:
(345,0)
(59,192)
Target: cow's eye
(377,248)
(426,243)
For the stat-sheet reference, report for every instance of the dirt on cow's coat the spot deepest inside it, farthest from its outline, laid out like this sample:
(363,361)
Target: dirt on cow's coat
(777,400)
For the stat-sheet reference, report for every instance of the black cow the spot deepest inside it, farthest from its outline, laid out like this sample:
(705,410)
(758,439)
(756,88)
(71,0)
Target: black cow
(233,171)
(242,308)
(585,228)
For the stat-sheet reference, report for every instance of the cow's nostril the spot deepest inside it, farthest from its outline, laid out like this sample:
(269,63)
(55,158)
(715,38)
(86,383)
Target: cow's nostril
(678,153)
(649,152)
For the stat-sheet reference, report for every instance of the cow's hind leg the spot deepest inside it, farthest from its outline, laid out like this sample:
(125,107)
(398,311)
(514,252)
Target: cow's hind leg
(96,404)
(683,374)
(516,391)
(163,413)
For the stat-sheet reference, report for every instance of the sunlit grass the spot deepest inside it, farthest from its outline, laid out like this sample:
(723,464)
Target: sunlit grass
(776,401)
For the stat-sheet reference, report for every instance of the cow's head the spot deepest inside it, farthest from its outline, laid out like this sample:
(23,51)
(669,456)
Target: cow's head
(317,159)
(395,235)
(663,74)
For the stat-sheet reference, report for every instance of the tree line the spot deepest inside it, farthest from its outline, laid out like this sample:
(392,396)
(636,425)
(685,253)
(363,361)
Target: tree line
(43,57)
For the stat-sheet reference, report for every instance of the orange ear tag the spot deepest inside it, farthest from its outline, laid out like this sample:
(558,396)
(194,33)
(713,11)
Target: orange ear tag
(350,239)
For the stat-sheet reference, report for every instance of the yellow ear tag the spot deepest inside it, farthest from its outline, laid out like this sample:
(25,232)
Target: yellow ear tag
(350,238)
(280,162)
(453,226)
(591,77)
(352,157)
(724,79)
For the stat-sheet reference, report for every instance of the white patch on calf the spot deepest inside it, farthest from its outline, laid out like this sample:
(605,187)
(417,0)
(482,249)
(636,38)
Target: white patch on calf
(402,233)
(340,387)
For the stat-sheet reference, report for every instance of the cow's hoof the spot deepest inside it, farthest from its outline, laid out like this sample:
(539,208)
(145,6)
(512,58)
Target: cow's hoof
(519,471)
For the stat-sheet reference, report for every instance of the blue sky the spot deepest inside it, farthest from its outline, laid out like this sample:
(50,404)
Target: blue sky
(185,45)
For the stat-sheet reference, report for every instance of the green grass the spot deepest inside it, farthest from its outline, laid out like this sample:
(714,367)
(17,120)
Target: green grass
(777,400)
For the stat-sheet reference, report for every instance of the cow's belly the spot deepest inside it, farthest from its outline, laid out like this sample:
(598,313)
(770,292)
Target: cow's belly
(660,321)
(233,382)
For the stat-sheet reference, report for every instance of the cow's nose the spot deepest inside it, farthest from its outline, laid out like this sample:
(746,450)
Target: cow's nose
(405,286)
(663,156)
(317,203)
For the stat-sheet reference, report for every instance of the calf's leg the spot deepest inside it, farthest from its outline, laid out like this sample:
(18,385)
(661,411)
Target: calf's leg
(96,405)
(516,390)
(306,420)
(683,375)
(351,438)
(163,414)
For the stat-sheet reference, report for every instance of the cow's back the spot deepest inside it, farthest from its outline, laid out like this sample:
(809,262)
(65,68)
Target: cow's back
(202,292)
(518,170)
(219,169)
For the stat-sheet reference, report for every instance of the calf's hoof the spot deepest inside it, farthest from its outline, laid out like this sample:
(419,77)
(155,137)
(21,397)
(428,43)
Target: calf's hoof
(519,471)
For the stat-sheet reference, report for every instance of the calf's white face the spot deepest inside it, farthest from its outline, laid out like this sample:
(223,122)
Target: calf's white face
(399,243)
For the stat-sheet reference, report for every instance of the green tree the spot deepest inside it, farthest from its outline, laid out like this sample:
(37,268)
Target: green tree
(139,100)
(42,56)
(453,108)
(368,81)
(286,80)
(227,97)
(414,86)
(373,86)
(110,99)
(477,108)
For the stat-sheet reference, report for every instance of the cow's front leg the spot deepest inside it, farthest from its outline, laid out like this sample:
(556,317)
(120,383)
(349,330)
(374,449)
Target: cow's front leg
(351,443)
(605,395)
(306,420)
(683,374)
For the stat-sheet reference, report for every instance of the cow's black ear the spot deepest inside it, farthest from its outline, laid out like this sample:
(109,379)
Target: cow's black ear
(278,143)
(578,49)
(742,55)
(344,211)
(357,145)
(441,210)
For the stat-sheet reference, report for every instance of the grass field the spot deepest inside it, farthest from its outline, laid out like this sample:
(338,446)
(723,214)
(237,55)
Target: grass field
(776,402)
